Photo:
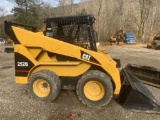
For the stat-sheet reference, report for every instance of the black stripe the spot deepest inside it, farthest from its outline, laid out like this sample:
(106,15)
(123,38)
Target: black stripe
(22,63)
(9,31)
(23,74)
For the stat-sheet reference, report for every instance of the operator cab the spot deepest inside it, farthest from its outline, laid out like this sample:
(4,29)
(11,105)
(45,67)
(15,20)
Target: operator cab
(77,30)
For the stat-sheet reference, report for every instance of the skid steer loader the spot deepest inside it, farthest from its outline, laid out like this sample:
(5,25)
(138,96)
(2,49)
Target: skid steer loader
(65,56)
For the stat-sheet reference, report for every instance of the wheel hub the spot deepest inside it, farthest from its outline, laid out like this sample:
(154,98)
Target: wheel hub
(45,85)
(94,90)
(41,88)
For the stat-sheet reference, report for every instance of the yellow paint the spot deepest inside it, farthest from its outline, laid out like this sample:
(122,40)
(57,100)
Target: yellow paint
(41,88)
(94,90)
(21,80)
(34,51)
(58,47)
(64,68)
(40,32)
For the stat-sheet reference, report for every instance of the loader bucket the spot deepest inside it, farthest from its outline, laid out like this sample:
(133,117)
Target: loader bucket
(134,95)
(147,74)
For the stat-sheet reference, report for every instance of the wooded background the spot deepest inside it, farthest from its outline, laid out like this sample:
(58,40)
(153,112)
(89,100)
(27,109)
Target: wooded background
(141,17)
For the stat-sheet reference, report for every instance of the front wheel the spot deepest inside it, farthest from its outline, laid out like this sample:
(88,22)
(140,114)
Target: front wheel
(95,89)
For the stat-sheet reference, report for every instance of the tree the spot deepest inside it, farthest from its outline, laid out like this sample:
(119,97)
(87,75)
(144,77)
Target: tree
(83,12)
(26,11)
(2,11)
(65,7)
(145,6)
(46,11)
(141,17)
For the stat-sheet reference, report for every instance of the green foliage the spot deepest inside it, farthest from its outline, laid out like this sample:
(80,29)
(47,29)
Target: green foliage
(26,11)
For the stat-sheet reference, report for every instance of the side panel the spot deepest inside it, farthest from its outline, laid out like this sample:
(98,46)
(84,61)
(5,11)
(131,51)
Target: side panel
(24,62)
(63,68)
(55,46)
(22,65)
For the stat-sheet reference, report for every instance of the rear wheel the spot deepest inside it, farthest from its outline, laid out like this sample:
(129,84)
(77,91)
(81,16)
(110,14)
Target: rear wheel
(44,85)
(95,89)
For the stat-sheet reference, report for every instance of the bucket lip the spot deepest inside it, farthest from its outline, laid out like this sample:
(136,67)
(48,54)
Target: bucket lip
(145,67)
(147,74)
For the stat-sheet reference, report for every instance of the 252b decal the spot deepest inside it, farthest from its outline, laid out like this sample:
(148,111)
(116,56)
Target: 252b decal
(23,64)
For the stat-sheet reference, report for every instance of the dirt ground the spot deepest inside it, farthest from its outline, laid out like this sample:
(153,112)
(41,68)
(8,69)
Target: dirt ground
(15,103)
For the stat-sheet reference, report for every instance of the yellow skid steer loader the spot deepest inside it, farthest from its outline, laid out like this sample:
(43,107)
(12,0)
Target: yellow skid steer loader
(65,56)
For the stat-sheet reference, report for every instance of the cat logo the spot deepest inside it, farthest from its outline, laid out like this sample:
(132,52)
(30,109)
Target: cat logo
(86,56)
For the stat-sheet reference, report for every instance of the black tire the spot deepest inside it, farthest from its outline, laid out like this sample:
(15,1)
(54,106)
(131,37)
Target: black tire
(99,78)
(50,82)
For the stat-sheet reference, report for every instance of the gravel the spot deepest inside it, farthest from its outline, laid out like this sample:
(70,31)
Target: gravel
(15,103)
